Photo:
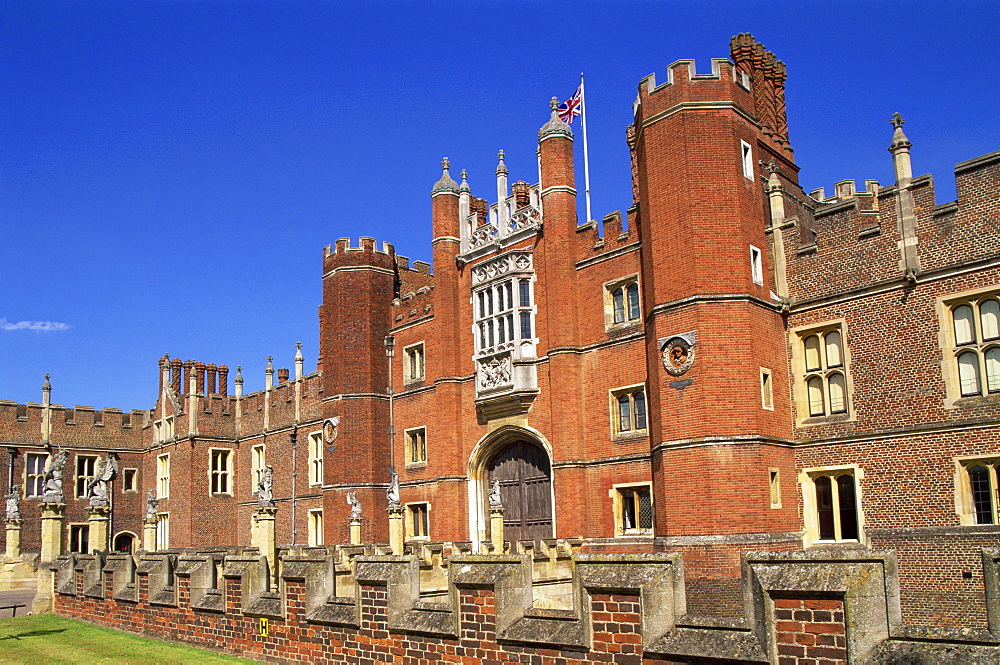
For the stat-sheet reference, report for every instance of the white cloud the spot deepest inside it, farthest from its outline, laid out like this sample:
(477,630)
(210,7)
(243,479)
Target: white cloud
(41,326)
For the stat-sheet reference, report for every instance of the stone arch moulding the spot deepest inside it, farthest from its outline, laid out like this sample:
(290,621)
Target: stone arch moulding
(477,473)
(126,532)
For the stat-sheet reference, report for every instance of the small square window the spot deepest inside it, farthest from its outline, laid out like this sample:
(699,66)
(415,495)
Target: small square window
(219,471)
(413,363)
(766,389)
(129,480)
(756,266)
(831,505)
(163,476)
(746,152)
(79,538)
(315,528)
(416,446)
(633,507)
(628,409)
(162,531)
(418,523)
(775,486)
(972,350)
(820,359)
(316,458)
(34,474)
(977,497)
(621,302)
(85,465)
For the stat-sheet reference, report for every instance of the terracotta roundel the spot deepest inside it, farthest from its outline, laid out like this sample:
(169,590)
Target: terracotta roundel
(678,356)
(330,430)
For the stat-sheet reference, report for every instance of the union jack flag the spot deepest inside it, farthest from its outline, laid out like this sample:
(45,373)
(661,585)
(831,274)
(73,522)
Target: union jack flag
(571,107)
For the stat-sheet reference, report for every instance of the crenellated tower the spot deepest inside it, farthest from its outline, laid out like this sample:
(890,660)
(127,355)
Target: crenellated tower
(714,328)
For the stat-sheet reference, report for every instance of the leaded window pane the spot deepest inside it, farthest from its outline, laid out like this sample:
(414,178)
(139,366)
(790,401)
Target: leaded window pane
(815,390)
(811,344)
(525,325)
(618,296)
(838,394)
(628,510)
(640,410)
(624,414)
(979,480)
(968,373)
(645,510)
(524,291)
(989,318)
(824,508)
(834,356)
(965,329)
(848,507)
(633,302)
(993,370)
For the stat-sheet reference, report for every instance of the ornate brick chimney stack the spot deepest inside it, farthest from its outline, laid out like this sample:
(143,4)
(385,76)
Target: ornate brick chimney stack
(767,77)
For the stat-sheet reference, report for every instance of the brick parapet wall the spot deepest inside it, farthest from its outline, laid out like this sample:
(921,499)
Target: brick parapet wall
(629,609)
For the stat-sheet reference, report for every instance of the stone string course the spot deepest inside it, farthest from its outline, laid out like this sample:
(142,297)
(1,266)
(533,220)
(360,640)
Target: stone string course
(816,608)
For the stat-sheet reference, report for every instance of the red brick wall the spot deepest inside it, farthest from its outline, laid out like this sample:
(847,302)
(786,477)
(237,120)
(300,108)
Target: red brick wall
(810,632)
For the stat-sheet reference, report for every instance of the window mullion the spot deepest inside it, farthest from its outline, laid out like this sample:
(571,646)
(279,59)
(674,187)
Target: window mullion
(835,501)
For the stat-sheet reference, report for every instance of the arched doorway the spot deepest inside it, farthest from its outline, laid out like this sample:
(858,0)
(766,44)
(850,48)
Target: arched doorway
(125,542)
(525,477)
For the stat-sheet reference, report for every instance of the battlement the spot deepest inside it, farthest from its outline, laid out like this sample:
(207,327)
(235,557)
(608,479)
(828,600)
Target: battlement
(594,243)
(365,244)
(837,605)
(684,84)
(33,412)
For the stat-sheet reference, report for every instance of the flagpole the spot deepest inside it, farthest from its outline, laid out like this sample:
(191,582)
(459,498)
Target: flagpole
(586,157)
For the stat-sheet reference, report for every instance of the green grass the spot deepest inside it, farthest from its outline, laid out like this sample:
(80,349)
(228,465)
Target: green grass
(47,638)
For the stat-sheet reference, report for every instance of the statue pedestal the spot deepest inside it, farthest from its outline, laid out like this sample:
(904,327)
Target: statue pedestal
(14,538)
(53,516)
(262,536)
(496,529)
(149,534)
(100,517)
(355,523)
(396,529)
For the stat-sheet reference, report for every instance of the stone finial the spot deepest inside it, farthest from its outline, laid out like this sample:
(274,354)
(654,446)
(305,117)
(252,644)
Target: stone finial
(555,126)
(270,366)
(900,149)
(298,350)
(47,387)
(446,183)
(464,187)
(239,375)
(501,167)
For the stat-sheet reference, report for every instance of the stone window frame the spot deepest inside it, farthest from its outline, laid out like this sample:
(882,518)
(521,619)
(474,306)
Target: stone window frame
(415,440)
(162,530)
(163,430)
(258,463)
(965,506)
(163,476)
(756,265)
(216,476)
(81,480)
(316,458)
(75,530)
(774,486)
(810,510)
(622,285)
(766,389)
(315,527)
(413,528)
(803,375)
(33,480)
(983,345)
(617,494)
(633,431)
(414,363)
(746,159)
(130,473)
(486,311)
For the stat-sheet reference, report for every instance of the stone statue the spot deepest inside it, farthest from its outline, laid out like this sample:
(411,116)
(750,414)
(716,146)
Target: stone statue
(52,478)
(100,485)
(151,504)
(352,501)
(14,503)
(495,494)
(392,494)
(265,497)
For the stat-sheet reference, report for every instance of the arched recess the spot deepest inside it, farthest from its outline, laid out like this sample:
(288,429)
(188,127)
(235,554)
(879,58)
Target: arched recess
(125,541)
(521,455)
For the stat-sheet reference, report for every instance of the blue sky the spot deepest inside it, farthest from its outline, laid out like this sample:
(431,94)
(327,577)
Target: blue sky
(170,171)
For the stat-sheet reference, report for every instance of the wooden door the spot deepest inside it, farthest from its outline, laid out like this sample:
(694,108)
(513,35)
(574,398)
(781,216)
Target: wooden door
(525,491)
